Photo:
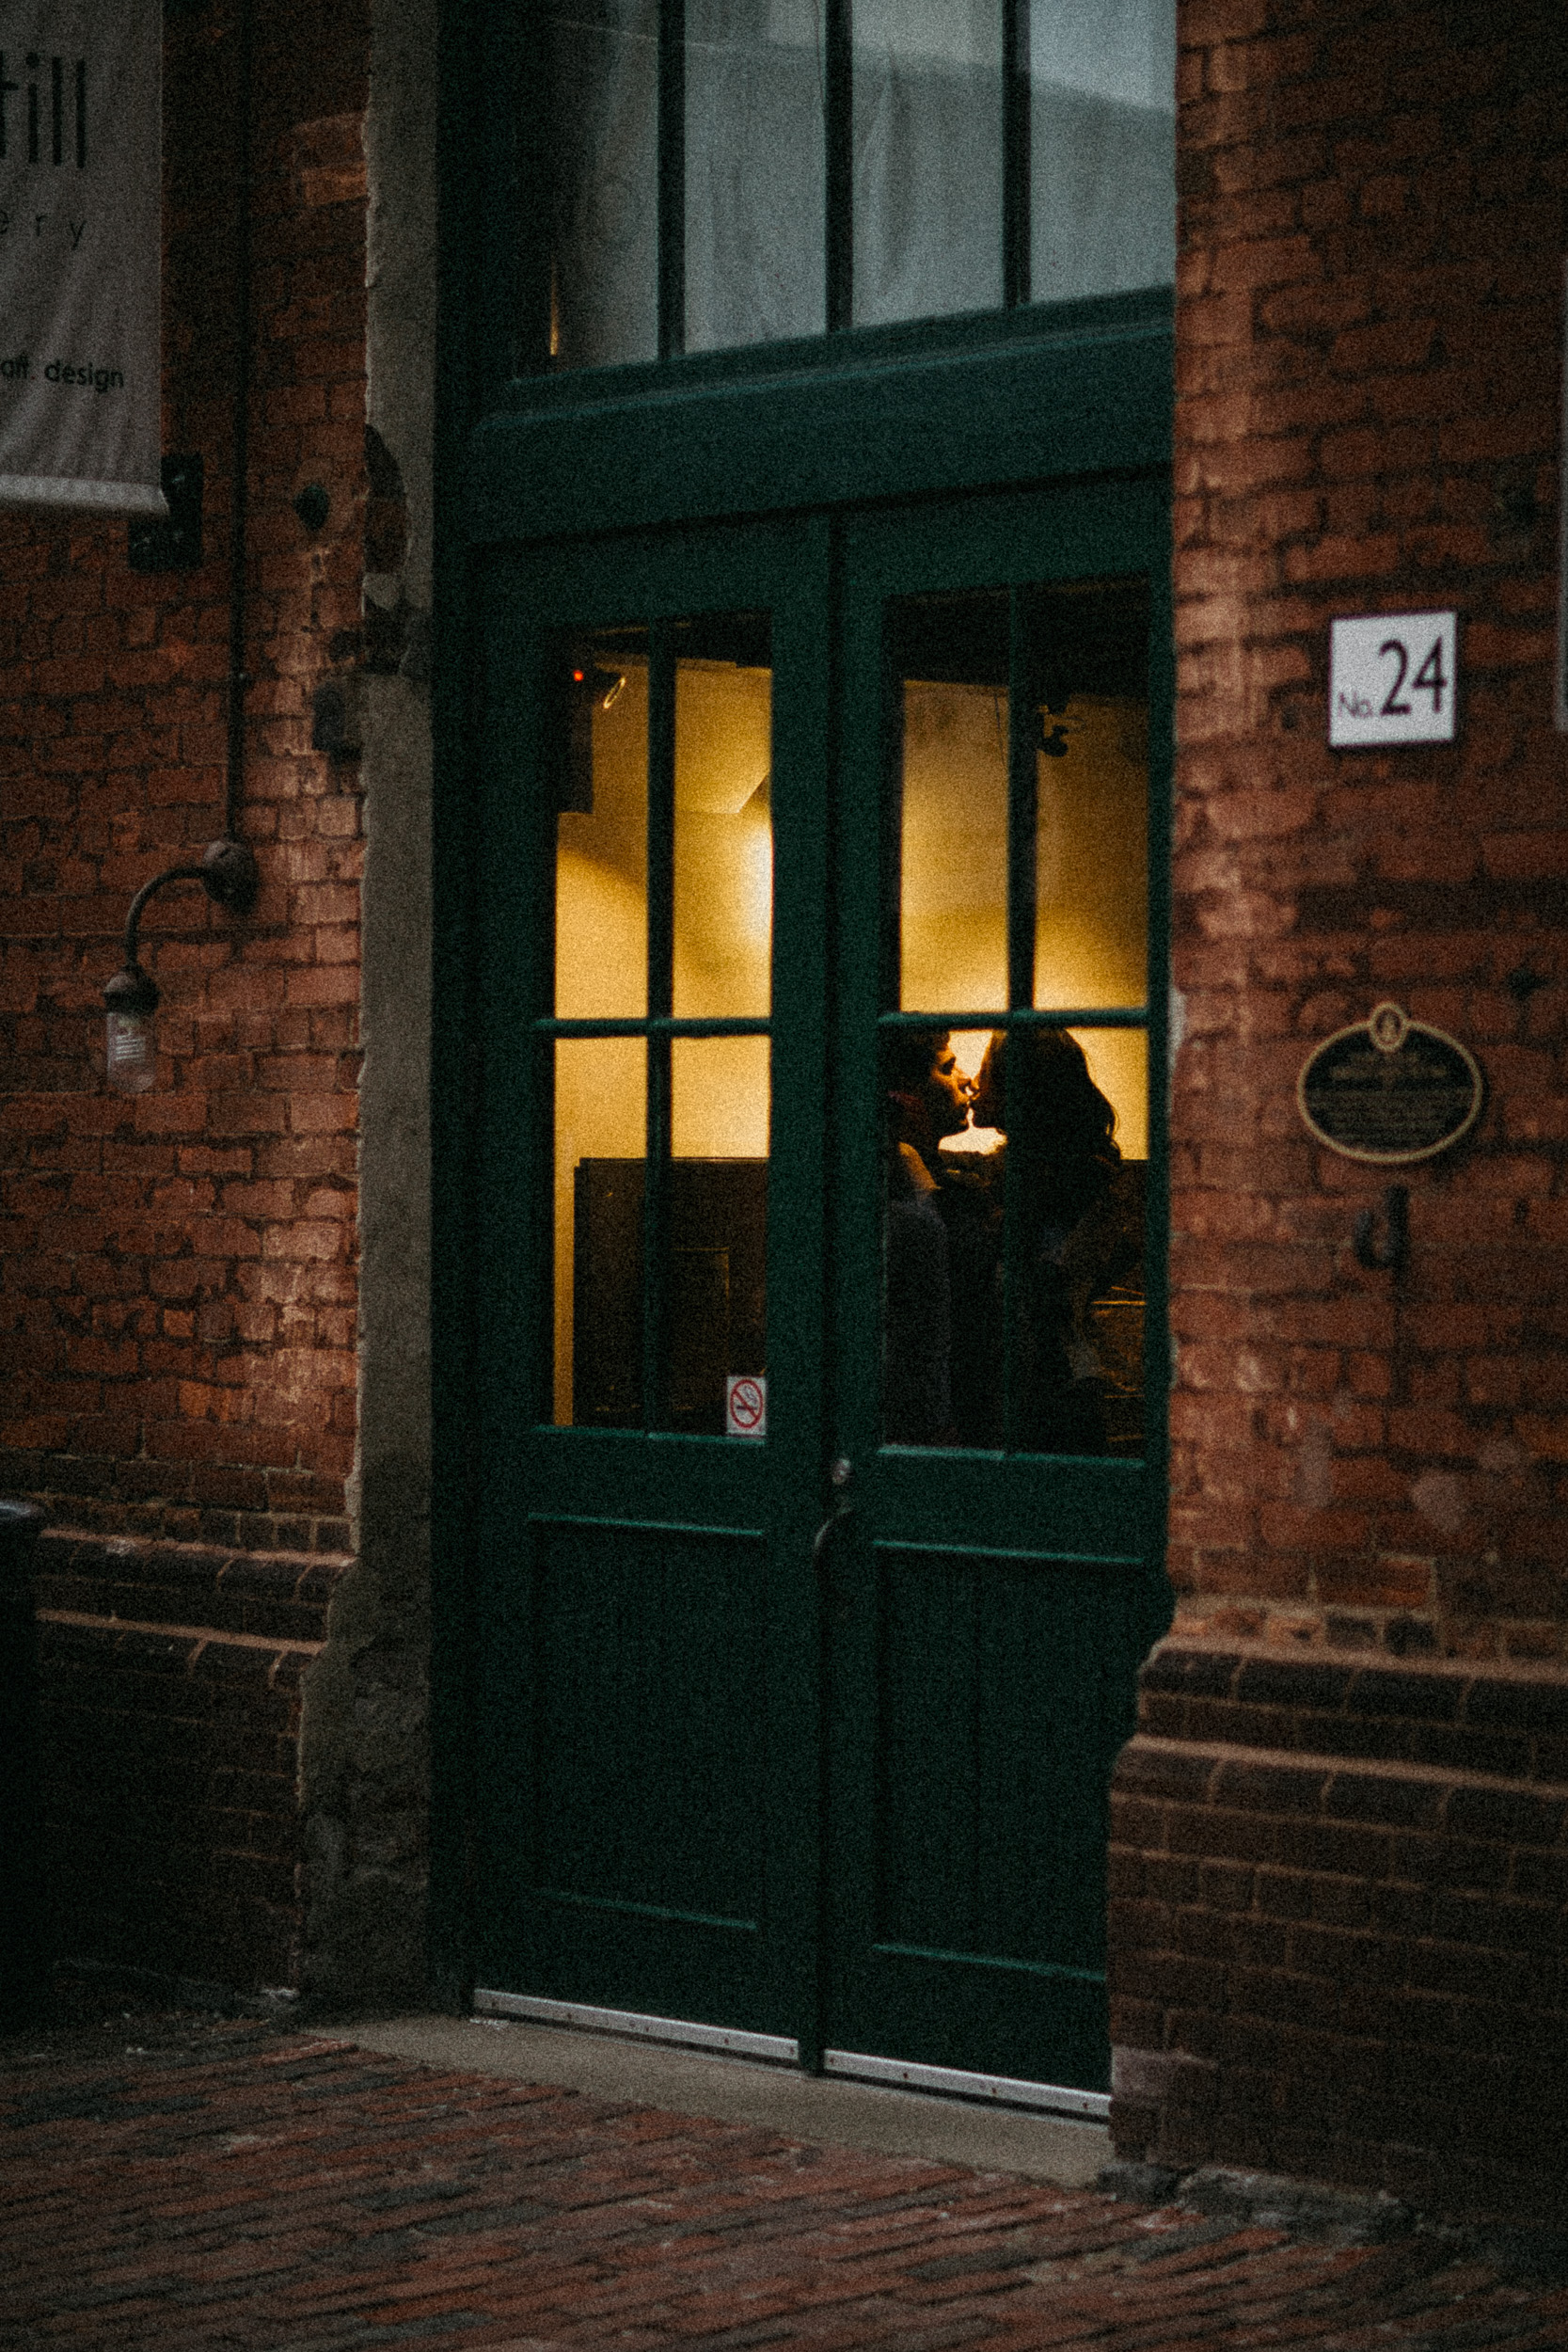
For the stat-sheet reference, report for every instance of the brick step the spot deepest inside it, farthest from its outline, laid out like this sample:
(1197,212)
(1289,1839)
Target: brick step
(278,1595)
(1506,1718)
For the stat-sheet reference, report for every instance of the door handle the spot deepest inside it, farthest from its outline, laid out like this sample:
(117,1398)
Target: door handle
(839,1476)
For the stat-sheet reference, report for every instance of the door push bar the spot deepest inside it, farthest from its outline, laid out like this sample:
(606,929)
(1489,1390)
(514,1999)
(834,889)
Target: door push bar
(839,1474)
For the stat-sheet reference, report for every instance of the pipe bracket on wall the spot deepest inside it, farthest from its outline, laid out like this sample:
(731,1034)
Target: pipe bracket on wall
(174,543)
(1390,1254)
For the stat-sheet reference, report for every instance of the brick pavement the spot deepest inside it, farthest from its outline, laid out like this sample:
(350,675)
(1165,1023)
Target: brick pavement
(230,2185)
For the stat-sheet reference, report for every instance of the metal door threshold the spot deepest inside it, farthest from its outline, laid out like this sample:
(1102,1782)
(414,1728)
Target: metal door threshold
(954,2082)
(775,2049)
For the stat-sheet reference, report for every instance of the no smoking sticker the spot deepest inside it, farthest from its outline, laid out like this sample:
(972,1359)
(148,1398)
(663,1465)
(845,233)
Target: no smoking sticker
(746,1405)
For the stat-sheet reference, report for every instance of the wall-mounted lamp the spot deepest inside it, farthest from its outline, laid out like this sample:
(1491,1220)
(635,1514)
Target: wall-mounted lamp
(228,874)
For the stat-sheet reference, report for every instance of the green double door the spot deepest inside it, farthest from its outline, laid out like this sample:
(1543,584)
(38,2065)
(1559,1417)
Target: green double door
(821,1522)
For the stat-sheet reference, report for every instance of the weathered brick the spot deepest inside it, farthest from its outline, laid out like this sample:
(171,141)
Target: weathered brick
(131,776)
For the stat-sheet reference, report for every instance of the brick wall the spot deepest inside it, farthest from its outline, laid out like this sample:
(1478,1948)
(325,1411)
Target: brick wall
(178,1300)
(177,1309)
(1340,1880)
(1374,216)
(171,1679)
(1340,1896)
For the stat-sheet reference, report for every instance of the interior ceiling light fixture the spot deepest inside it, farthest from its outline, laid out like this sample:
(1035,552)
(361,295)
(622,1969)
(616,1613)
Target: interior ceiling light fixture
(229,875)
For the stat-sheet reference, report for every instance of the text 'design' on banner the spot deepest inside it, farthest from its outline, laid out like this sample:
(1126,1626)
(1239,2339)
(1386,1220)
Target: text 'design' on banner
(80,232)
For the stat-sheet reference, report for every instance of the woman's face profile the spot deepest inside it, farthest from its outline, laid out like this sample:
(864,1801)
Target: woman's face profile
(989,1105)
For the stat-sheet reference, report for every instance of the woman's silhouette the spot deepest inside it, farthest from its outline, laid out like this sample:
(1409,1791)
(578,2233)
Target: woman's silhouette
(1034,1086)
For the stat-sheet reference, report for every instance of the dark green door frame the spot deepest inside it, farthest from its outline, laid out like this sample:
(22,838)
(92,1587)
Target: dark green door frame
(1005,403)
(586,1538)
(1045,1574)
(990,1611)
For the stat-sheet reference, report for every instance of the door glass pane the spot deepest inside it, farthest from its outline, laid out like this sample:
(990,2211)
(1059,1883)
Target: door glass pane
(600,1093)
(755,176)
(928,157)
(715,1361)
(1015,1158)
(1102,147)
(948,665)
(941,1255)
(713,1289)
(661,763)
(1110,1307)
(601,765)
(1013,1302)
(1070,1173)
(1089,651)
(723,909)
(601,104)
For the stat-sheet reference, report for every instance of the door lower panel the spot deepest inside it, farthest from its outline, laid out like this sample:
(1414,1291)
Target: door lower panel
(628,1832)
(988,1698)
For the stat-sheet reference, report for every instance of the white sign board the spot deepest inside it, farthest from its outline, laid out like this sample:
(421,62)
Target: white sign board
(745,1404)
(1393,678)
(81,214)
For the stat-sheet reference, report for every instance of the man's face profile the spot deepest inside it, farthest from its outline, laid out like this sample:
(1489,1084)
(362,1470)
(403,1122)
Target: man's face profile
(947,1092)
(935,1105)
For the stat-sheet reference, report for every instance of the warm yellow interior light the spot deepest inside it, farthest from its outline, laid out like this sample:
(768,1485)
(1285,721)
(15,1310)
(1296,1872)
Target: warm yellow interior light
(1091,885)
(1091,873)
(723,923)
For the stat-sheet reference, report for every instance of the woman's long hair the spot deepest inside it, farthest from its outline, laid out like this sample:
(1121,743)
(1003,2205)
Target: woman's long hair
(1055,1118)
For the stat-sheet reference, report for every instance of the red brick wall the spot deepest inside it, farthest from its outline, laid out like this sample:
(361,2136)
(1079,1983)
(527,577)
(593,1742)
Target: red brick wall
(1374,216)
(178,1310)
(1339,1925)
(171,1680)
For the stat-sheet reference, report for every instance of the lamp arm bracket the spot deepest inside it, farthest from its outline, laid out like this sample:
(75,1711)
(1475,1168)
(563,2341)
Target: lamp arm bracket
(150,890)
(227,873)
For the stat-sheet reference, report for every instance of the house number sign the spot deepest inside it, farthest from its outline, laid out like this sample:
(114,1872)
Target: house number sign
(1393,678)
(1390,1089)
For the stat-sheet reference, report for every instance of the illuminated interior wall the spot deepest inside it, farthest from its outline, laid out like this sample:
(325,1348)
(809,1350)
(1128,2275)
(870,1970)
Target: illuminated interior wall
(1092,891)
(723,898)
(1092,873)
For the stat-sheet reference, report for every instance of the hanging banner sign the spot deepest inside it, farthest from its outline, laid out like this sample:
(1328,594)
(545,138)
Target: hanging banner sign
(81,165)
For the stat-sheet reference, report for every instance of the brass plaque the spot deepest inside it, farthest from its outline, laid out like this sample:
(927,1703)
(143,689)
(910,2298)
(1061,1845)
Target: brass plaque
(1390,1089)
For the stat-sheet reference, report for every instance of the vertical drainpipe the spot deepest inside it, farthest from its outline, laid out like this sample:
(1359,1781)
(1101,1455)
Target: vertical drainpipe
(240,491)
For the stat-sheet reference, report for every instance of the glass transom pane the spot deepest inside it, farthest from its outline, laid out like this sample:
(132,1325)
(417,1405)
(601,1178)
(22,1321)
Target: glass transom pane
(1101,146)
(599,92)
(928,158)
(755,181)
(772,186)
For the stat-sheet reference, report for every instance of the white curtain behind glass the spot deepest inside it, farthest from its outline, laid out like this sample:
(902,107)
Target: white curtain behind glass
(603,127)
(926,128)
(1103,140)
(928,151)
(755,172)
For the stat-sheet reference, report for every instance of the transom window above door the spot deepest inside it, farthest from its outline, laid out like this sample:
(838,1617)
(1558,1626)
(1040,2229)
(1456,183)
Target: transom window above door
(719,173)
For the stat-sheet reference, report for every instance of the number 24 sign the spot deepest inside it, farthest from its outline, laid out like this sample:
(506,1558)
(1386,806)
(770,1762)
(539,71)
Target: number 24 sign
(1393,678)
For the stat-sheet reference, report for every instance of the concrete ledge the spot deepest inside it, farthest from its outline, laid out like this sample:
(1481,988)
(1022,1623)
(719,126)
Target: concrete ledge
(738,2091)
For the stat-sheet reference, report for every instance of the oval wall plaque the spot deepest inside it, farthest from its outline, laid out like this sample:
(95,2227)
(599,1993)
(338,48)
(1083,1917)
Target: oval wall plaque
(1390,1089)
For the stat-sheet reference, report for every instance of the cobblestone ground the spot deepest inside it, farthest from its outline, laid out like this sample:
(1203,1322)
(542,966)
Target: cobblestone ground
(222,2185)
